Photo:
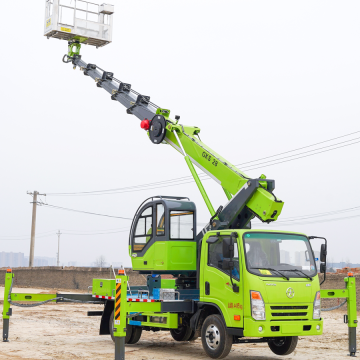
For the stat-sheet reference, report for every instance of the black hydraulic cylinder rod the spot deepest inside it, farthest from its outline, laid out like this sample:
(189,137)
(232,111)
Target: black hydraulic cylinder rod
(6,330)
(119,348)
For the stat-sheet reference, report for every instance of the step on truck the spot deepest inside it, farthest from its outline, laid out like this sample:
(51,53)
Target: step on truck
(230,283)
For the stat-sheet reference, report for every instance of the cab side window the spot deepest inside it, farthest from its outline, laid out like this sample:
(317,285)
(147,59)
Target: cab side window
(216,257)
(143,230)
(181,225)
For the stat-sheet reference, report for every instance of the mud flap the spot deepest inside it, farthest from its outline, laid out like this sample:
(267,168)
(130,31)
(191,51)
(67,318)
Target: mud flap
(105,319)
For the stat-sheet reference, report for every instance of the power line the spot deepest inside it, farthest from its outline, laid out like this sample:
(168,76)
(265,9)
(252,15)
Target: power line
(25,239)
(188,179)
(300,157)
(298,219)
(81,211)
(315,222)
(22,236)
(310,216)
(304,147)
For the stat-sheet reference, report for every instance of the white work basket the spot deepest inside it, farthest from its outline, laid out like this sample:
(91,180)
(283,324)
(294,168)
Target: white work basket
(85,21)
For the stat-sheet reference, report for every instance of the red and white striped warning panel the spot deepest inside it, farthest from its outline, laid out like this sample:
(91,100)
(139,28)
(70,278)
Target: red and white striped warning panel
(103,297)
(143,300)
(131,299)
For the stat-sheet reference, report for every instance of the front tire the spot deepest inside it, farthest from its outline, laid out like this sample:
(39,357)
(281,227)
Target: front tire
(283,345)
(216,341)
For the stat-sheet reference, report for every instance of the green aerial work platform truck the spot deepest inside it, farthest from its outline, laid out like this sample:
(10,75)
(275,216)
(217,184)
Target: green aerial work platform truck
(231,283)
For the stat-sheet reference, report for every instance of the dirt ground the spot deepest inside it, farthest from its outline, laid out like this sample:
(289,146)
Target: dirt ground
(65,332)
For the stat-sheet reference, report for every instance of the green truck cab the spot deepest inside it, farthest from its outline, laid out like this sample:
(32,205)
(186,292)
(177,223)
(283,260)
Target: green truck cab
(264,284)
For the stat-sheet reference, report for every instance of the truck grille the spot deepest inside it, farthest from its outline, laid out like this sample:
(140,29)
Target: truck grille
(289,313)
(288,307)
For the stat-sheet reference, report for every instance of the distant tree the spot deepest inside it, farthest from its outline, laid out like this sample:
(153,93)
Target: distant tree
(100,261)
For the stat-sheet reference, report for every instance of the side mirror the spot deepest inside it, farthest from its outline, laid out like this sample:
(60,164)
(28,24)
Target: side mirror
(227,265)
(323,268)
(228,248)
(323,253)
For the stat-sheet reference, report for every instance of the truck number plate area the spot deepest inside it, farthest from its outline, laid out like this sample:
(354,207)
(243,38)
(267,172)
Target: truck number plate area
(291,329)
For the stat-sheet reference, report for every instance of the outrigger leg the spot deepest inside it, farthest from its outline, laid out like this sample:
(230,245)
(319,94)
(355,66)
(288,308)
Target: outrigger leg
(6,307)
(351,313)
(120,315)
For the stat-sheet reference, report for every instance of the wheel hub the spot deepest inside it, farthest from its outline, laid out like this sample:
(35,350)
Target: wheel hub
(212,337)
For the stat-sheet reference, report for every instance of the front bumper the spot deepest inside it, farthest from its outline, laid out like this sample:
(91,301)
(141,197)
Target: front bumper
(282,328)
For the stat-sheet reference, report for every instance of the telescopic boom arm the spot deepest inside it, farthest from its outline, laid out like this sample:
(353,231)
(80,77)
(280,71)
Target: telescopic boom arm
(247,197)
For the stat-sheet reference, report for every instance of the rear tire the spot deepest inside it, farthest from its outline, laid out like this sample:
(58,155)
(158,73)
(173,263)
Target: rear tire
(182,333)
(216,341)
(129,330)
(195,335)
(283,345)
(135,335)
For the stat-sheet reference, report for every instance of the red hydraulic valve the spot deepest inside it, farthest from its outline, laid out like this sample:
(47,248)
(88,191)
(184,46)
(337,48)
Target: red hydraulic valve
(145,124)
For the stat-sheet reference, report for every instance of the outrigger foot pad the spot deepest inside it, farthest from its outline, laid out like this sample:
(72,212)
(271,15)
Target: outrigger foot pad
(5,330)
(352,341)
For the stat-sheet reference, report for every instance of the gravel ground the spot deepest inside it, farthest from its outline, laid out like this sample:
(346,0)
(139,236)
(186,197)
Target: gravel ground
(65,332)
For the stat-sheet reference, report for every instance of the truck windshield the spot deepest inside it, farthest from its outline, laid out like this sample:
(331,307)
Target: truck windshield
(268,253)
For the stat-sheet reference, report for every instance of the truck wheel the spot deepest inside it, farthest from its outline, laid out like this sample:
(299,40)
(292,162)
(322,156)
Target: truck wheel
(182,333)
(283,345)
(195,335)
(129,330)
(135,335)
(215,339)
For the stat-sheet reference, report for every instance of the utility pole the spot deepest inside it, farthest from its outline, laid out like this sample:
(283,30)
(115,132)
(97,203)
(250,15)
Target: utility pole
(33,223)
(58,253)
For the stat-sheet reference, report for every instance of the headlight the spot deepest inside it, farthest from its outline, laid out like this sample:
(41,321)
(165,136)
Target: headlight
(317,306)
(257,306)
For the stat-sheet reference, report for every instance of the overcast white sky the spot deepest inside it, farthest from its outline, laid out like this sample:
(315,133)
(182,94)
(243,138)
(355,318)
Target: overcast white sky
(258,77)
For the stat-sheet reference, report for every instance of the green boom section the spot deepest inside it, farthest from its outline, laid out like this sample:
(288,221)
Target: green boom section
(262,203)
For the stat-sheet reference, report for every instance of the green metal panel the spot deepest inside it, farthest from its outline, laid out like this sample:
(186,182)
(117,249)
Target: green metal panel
(171,320)
(221,292)
(32,297)
(168,255)
(104,287)
(144,306)
(168,283)
(287,328)
(334,293)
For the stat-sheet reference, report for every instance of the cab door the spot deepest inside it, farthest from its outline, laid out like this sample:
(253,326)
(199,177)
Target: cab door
(215,283)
